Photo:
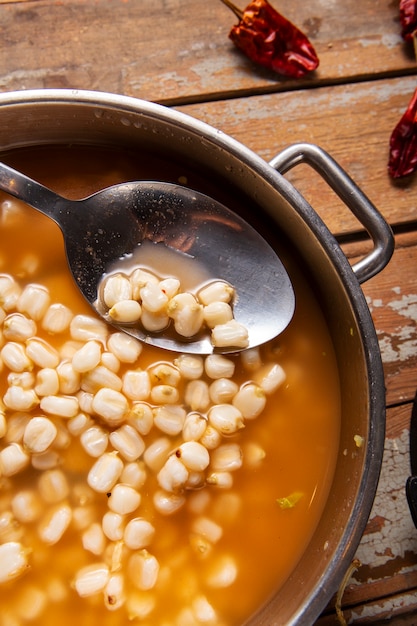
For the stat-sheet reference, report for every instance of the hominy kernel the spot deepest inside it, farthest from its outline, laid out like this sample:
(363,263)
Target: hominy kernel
(218,366)
(55,523)
(126,348)
(168,503)
(186,313)
(57,319)
(173,475)
(13,561)
(211,438)
(126,311)
(99,378)
(222,390)
(78,424)
(224,480)
(134,474)
(194,427)
(222,573)
(113,525)
(63,437)
(26,380)
(193,455)
(94,440)
(154,322)
(111,406)
(110,361)
(153,298)
(34,300)
(42,353)
(270,377)
(53,486)
(230,334)
(16,426)
(47,382)
(140,417)
(207,528)
(39,434)
(15,358)
(85,401)
(225,418)
(69,348)
(18,327)
(26,506)
(13,459)
(87,357)
(164,374)
(114,596)
(226,458)
(217,313)
(105,472)
(250,400)
(143,570)
(156,453)
(138,279)
(31,603)
(128,442)
(190,366)
(138,534)
(169,419)
(9,530)
(216,291)
(198,501)
(46,460)
(197,395)
(253,454)
(123,499)
(3,424)
(136,384)
(91,579)
(203,611)
(69,379)
(9,292)
(170,286)
(117,287)
(85,327)
(62,406)
(94,539)
(19,399)
(251,359)
(164,394)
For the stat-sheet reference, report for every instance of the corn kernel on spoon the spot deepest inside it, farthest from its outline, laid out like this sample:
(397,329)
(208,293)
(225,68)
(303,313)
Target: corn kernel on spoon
(187,233)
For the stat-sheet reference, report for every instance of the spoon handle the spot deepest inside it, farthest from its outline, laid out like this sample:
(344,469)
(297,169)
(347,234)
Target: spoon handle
(33,193)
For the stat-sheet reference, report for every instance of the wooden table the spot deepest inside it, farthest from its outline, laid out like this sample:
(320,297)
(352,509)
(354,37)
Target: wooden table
(177,52)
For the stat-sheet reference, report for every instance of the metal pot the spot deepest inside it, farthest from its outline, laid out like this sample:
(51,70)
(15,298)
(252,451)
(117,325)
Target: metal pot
(44,117)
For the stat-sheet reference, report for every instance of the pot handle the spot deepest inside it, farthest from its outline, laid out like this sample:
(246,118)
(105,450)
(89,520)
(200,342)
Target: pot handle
(376,226)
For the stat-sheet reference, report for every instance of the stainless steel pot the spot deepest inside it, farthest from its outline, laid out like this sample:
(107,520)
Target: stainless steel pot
(44,117)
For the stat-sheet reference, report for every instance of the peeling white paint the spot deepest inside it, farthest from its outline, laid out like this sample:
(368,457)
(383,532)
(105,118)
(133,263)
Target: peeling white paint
(406,306)
(384,607)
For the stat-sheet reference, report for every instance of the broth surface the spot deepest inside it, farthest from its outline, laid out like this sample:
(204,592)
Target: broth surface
(267,516)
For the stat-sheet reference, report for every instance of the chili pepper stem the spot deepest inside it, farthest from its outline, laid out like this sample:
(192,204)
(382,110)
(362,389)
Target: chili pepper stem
(238,12)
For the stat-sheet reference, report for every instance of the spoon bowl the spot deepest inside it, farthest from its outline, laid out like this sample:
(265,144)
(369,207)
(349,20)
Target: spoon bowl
(187,233)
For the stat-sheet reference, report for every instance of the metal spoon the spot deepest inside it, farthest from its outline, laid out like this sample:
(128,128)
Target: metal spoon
(111,228)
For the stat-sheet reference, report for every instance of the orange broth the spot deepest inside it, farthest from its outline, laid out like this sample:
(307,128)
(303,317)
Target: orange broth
(298,432)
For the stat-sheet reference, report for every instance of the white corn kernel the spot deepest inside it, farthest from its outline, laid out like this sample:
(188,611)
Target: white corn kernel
(13,561)
(114,596)
(138,534)
(42,353)
(173,475)
(134,474)
(111,406)
(14,357)
(91,579)
(55,523)
(217,313)
(46,460)
(138,279)
(105,472)
(78,424)
(253,454)
(127,349)
(57,319)
(26,380)
(126,311)
(16,426)
(169,419)
(123,499)
(250,400)
(47,382)
(87,357)
(9,292)
(136,384)
(203,611)
(153,298)
(143,570)
(187,314)
(53,486)
(222,573)
(62,406)
(225,418)
(230,334)
(141,417)
(94,440)
(190,366)
(164,394)
(113,525)
(69,379)
(170,286)
(18,327)
(218,366)
(128,442)
(156,453)
(26,506)
(193,455)
(207,528)
(197,395)
(164,374)
(40,433)
(34,300)
(222,390)
(100,377)
(93,539)
(223,480)
(85,327)
(216,291)
(19,399)
(211,438)
(270,377)
(251,359)
(85,401)
(168,503)
(110,360)
(31,603)
(226,458)
(194,427)
(154,322)
(117,287)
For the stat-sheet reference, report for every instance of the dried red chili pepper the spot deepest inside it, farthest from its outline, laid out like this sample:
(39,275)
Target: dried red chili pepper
(271,40)
(408,18)
(403,143)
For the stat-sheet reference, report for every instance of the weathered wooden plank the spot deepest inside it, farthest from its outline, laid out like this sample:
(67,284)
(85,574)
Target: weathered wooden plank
(352,122)
(171,50)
